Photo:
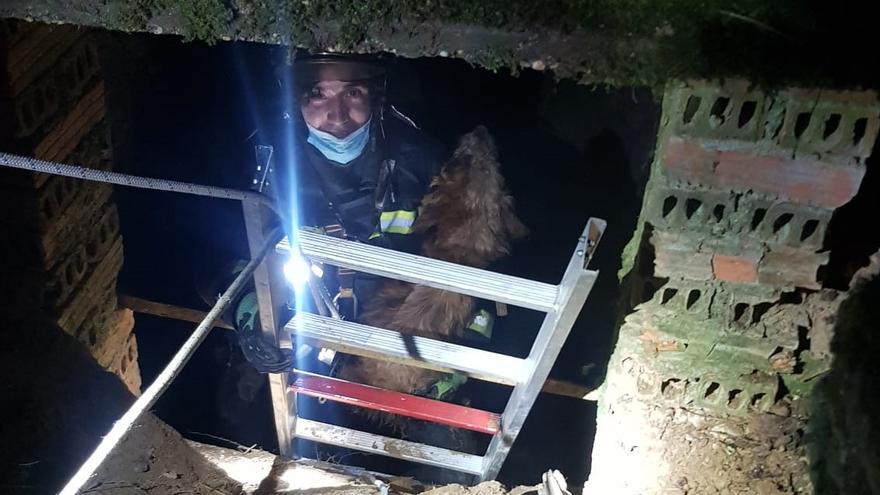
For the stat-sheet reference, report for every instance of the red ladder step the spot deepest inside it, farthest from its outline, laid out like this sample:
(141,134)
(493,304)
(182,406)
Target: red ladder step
(411,406)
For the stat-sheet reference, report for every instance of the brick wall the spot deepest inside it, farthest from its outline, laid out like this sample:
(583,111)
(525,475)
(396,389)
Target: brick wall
(713,368)
(60,248)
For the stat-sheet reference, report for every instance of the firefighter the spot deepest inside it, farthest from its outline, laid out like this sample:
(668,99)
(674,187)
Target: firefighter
(364,165)
(347,163)
(361,166)
(352,165)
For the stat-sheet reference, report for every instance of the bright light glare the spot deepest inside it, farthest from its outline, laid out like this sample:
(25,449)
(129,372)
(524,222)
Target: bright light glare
(297,271)
(326,356)
(317,270)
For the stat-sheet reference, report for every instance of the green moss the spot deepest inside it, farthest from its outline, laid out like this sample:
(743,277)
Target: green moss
(133,15)
(495,58)
(677,26)
(205,20)
(626,42)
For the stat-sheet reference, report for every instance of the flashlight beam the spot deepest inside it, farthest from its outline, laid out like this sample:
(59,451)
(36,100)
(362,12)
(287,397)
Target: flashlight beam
(163,381)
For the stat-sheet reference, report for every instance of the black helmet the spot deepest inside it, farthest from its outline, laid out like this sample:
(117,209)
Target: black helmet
(311,68)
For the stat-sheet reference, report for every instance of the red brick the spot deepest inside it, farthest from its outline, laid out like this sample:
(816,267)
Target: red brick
(791,267)
(34,55)
(676,256)
(803,180)
(734,269)
(64,137)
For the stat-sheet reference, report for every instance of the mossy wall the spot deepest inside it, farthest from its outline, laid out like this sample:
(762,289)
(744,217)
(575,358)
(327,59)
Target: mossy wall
(618,42)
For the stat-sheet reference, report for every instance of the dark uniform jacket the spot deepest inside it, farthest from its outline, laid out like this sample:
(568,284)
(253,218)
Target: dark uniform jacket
(374,198)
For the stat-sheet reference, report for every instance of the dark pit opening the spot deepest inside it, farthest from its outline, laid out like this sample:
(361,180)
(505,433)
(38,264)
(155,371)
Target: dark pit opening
(190,112)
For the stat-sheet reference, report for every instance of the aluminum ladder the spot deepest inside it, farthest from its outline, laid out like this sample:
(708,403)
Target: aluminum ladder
(562,303)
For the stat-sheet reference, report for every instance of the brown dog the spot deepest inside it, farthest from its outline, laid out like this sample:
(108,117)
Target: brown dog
(467,218)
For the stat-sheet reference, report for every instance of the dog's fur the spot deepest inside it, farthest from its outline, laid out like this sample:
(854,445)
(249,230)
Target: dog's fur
(467,218)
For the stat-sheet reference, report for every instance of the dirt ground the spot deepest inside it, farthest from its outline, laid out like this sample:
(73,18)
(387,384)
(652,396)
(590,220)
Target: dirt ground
(57,403)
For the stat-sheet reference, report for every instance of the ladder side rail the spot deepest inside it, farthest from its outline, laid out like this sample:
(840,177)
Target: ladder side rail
(270,288)
(577,282)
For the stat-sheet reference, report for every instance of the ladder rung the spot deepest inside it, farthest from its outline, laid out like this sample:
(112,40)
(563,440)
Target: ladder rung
(388,345)
(411,406)
(426,271)
(392,447)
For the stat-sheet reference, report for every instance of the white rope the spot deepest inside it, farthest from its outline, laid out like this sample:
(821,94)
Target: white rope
(34,165)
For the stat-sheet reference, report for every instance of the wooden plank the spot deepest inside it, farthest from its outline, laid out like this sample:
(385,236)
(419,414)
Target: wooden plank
(144,306)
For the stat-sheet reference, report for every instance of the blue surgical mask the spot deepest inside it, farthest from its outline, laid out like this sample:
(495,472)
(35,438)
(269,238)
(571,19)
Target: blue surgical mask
(340,150)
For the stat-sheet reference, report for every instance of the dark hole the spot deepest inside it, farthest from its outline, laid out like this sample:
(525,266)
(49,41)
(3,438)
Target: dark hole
(92,249)
(739,311)
(70,273)
(719,107)
(718,212)
(93,336)
(667,295)
(668,205)
(759,310)
(831,125)
(648,291)
(859,129)
(758,217)
(105,233)
(124,364)
(757,398)
(691,206)
(732,397)
(793,297)
(82,261)
(666,383)
(803,338)
(711,389)
(809,229)
(690,109)
(693,297)
(746,112)
(801,124)
(782,221)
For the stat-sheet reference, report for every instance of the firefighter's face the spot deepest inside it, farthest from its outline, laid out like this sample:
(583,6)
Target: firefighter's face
(336,107)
